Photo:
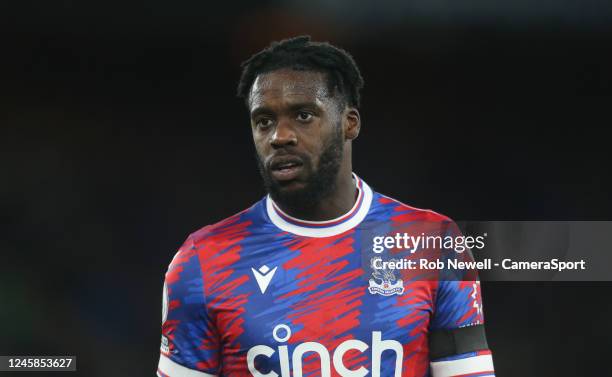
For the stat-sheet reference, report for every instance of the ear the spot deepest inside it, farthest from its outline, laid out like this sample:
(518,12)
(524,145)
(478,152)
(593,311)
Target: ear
(352,123)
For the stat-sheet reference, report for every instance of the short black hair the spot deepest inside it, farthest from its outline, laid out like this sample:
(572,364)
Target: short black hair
(301,54)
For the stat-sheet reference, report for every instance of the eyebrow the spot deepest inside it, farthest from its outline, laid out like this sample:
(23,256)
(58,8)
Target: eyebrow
(260,110)
(292,107)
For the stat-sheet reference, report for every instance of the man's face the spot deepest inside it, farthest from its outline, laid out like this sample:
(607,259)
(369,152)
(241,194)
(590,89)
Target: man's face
(298,135)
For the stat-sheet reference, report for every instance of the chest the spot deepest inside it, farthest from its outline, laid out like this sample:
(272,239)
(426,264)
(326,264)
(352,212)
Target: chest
(315,291)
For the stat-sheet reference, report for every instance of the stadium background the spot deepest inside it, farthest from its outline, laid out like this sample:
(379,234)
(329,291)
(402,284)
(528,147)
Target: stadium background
(121,134)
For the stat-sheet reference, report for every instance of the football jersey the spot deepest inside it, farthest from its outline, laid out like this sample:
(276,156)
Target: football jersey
(265,294)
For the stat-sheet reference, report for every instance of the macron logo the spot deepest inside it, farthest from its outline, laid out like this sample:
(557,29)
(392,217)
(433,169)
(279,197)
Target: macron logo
(263,276)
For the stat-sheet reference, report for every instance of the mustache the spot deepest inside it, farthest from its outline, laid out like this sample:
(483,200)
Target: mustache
(284,157)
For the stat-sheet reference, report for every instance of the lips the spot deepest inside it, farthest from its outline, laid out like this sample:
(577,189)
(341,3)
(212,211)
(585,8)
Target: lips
(285,168)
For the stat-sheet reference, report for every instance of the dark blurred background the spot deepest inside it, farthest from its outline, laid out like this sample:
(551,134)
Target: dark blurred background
(121,134)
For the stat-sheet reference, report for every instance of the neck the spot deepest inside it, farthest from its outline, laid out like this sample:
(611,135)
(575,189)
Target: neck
(336,204)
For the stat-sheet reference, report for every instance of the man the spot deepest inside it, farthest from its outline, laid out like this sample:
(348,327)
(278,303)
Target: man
(294,285)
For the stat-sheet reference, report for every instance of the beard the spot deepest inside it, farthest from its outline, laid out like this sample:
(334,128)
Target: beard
(320,182)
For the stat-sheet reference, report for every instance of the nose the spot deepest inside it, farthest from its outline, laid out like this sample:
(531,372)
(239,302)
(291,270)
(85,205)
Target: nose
(283,135)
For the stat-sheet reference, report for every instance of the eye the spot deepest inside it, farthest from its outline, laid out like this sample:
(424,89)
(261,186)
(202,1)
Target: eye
(263,123)
(304,116)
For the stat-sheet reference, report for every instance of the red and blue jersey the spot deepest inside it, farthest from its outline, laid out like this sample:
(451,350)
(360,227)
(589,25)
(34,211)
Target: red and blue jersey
(264,294)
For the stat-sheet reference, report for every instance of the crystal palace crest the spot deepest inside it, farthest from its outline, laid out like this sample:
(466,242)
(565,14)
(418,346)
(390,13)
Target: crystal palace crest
(384,282)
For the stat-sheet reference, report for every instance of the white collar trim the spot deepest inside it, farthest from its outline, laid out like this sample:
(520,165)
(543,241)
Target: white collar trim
(321,230)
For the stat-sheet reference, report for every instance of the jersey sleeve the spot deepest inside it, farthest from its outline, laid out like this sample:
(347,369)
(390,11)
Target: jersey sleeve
(458,324)
(189,342)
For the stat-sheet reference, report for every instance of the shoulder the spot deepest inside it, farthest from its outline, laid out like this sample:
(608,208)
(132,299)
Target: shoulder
(231,229)
(214,240)
(403,212)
